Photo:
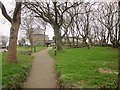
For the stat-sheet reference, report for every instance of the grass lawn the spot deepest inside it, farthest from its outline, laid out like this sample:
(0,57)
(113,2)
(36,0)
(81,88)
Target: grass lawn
(87,68)
(13,75)
(24,49)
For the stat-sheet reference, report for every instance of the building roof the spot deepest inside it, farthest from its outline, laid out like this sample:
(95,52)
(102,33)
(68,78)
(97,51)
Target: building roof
(50,41)
(37,30)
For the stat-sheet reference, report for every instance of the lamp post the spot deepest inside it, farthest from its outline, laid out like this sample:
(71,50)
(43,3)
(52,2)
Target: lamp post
(55,10)
(55,47)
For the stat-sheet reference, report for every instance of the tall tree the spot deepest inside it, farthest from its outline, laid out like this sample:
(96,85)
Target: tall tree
(53,14)
(15,23)
(83,22)
(107,16)
(27,26)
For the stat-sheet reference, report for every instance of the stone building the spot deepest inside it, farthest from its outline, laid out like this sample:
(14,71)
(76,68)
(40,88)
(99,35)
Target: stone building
(39,38)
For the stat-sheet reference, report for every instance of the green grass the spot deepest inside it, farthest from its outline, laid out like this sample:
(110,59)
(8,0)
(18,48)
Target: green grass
(13,75)
(79,67)
(38,48)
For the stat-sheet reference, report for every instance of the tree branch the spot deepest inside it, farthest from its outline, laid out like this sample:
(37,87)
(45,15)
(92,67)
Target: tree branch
(17,8)
(4,12)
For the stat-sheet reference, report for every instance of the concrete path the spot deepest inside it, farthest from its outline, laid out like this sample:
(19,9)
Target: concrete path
(42,73)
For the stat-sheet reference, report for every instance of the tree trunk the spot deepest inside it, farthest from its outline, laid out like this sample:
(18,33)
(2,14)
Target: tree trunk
(108,35)
(77,41)
(73,41)
(31,48)
(44,38)
(31,43)
(15,23)
(116,43)
(58,38)
(68,41)
(12,49)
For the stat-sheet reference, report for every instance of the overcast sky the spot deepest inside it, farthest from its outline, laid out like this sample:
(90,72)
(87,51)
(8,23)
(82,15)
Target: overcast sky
(5,25)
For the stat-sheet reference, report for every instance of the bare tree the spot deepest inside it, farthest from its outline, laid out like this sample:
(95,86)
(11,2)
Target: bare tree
(31,25)
(107,16)
(53,14)
(83,22)
(15,23)
(27,26)
(68,26)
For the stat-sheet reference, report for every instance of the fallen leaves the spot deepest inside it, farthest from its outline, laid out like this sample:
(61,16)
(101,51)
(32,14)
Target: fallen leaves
(107,70)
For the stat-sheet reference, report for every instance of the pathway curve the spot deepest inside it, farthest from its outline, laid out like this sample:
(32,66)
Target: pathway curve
(42,74)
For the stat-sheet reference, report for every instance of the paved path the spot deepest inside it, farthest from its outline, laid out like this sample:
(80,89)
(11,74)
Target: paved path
(42,73)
